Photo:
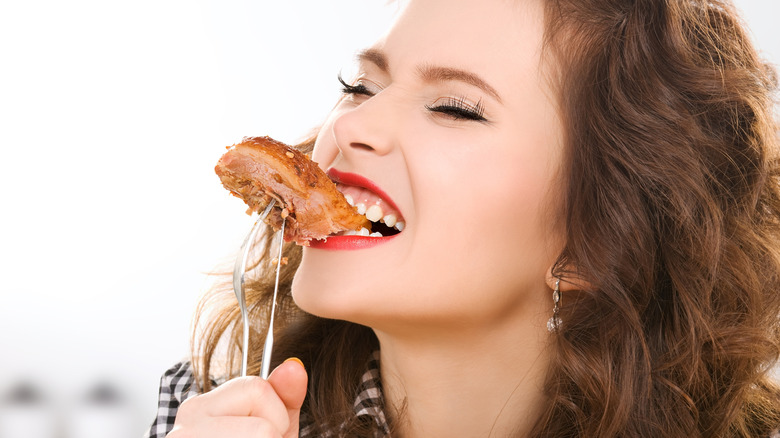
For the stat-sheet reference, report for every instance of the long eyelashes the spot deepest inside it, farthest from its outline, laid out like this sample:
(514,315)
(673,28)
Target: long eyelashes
(456,108)
(354,89)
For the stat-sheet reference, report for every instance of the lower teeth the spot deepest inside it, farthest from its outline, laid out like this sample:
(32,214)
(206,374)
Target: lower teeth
(380,230)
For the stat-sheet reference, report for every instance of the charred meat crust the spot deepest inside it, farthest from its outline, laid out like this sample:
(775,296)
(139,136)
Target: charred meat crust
(260,169)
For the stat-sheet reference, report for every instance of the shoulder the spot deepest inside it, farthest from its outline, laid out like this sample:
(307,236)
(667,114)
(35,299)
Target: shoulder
(176,385)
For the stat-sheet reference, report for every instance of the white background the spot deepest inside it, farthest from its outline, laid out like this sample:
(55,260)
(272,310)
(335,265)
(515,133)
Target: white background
(112,116)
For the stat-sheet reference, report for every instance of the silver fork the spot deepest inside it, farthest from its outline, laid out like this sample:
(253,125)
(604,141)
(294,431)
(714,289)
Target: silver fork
(239,269)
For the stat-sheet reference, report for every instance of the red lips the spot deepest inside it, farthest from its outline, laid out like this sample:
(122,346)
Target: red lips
(353,242)
(349,242)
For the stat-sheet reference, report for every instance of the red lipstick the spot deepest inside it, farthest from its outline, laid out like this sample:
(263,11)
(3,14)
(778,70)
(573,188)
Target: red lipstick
(349,242)
(340,243)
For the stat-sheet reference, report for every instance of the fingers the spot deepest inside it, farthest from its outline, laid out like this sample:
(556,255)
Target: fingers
(289,380)
(247,407)
(233,427)
(248,396)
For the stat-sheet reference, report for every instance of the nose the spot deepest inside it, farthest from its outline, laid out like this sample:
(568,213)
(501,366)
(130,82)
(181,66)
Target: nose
(367,128)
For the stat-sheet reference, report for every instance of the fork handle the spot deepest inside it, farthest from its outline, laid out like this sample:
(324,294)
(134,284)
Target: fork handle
(238,282)
(267,349)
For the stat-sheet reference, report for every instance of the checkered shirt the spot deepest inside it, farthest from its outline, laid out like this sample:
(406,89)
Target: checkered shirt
(178,384)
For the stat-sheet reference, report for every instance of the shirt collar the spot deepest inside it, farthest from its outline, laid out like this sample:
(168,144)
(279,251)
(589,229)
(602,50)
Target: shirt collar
(370,400)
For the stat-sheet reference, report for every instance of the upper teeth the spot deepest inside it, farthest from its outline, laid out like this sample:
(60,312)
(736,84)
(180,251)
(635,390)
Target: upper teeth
(374,213)
(389,220)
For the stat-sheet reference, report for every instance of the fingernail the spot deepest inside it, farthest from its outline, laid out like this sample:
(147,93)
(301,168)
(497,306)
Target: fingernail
(295,359)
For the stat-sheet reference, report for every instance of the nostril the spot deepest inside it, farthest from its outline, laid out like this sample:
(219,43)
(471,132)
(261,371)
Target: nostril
(362,146)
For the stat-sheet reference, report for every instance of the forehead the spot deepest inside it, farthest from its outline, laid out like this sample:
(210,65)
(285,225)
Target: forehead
(490,37)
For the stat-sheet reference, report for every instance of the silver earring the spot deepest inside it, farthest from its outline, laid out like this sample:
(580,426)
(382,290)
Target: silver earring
(554,323)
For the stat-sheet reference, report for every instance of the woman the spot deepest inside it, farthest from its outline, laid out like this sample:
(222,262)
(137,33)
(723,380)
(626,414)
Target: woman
(590,209)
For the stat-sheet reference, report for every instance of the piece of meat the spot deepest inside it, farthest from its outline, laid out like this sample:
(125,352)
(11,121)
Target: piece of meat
(260,169)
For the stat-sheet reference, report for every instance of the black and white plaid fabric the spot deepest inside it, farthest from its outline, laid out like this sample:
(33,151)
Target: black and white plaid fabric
(368,404)
(178,384)
(370,401)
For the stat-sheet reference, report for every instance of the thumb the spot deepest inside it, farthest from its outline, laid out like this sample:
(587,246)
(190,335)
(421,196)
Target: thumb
(289,380)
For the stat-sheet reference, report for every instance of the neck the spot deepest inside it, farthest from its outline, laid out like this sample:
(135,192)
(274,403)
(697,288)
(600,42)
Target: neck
(465,381)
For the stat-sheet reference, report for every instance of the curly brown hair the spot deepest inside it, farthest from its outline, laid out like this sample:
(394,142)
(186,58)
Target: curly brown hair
(672,215)
(672,218)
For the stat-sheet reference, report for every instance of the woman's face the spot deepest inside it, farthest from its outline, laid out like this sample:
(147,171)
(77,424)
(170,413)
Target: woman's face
(450,127)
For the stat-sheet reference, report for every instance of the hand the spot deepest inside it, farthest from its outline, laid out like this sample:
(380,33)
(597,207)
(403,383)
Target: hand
(246,407)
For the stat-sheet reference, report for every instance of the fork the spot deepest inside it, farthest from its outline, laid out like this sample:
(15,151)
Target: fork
(239,269)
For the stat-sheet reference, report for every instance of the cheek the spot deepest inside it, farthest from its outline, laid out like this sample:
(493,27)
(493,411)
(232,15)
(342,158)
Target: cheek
(486,221)
(325,149)
(502,187)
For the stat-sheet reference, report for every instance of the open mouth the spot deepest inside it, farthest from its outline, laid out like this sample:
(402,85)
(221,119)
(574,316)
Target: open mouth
(385,218)
(372,202)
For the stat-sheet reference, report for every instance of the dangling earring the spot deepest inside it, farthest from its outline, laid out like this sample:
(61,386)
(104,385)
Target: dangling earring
(554,323)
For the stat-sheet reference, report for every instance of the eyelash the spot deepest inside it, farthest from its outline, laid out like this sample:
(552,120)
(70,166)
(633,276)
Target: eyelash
(354,89)
(457,108)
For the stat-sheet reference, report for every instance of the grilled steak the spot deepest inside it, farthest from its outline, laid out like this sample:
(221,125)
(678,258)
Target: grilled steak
(260,169)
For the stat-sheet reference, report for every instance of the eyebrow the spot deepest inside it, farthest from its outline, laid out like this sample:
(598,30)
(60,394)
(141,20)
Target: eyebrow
(431,73)
(376,57)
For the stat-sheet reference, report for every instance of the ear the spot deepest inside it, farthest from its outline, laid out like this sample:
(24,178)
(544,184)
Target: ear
(567,284)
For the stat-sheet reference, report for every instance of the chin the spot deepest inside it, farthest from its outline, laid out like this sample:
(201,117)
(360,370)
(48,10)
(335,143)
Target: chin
(320,295)
(333,297)
(325,286)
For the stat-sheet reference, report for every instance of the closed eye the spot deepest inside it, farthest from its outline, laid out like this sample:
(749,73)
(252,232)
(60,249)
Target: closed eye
(359,89)
(459,109)
(455,108)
